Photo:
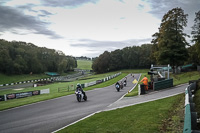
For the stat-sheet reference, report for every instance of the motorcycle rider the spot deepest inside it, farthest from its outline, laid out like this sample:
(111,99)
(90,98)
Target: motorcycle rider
(80,88)
(121,85)
(125,80)
(117,85)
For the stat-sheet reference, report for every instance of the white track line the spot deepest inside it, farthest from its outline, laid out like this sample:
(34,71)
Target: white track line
(77,121)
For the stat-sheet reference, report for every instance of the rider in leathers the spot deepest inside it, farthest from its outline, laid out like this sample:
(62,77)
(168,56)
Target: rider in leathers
(80,88)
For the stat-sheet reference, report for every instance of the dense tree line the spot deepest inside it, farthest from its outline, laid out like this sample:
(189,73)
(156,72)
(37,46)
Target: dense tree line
(24,58)
(168,46)
(194,51)
(126,58)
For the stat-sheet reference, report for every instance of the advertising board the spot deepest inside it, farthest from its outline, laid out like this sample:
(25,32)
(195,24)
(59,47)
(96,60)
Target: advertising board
(10,96)
(23,94)
(2,98)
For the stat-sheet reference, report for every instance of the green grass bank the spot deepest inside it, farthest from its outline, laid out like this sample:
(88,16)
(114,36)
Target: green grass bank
(6,79)
(141,118)
(84,64)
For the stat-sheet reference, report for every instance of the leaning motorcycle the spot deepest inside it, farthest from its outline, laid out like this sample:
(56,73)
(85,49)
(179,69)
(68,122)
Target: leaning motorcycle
(80,96)
(117,87)
(125,84)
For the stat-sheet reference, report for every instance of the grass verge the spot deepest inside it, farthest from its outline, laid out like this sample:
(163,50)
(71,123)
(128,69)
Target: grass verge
(84,64)
(141,118)
(185,77)
(5,79)
(174,123)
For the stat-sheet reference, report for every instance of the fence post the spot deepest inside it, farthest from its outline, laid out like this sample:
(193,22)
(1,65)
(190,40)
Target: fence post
(168,71)
(5,98)
(139,89)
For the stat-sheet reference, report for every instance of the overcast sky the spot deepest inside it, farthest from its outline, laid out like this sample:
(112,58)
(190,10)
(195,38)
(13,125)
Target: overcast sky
(87,27)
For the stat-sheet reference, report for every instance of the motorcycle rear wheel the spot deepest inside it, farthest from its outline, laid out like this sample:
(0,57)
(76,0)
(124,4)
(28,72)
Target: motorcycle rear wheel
(85,98)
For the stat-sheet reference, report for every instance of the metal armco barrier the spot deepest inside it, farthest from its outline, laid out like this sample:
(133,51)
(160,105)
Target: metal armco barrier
(190,120)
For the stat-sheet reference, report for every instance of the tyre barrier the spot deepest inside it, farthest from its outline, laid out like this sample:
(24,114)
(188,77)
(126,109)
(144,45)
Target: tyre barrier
(190,120)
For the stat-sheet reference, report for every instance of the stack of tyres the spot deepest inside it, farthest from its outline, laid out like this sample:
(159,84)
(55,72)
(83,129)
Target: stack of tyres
(142,88)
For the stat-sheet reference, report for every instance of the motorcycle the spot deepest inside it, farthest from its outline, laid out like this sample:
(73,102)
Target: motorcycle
(121,85)
(117,87)
(80,96)
(125,84)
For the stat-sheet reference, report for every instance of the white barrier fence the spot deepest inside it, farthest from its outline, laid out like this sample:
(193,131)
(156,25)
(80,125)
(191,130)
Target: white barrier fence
(100,81)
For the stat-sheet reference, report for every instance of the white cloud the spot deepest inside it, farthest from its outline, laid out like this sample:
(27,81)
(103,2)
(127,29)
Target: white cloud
(103,21)
(15,3)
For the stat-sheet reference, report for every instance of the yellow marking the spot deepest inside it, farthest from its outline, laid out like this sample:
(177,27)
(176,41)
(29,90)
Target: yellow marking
(135,81)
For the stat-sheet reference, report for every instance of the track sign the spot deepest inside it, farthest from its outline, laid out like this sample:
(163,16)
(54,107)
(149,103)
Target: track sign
(135,81)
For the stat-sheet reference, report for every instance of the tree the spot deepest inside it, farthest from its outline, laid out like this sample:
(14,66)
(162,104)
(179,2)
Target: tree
(131,57)
(95,64)
(145,60)
(196,37)
(116,62)
(169,42)
(23,58)
(6,62)
(62,66)
(101,64)
(71,63)
(127,58)
(154,51)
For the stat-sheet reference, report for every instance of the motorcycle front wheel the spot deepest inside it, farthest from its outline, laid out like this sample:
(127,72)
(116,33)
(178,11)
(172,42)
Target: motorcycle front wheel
(78,98)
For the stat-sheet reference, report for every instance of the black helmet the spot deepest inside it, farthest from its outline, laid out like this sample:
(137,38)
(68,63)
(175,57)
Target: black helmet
(78,85)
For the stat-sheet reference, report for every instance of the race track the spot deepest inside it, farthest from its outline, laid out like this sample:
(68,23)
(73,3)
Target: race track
(48,116)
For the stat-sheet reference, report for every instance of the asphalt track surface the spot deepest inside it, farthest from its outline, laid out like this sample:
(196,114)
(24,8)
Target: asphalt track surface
(48,116)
